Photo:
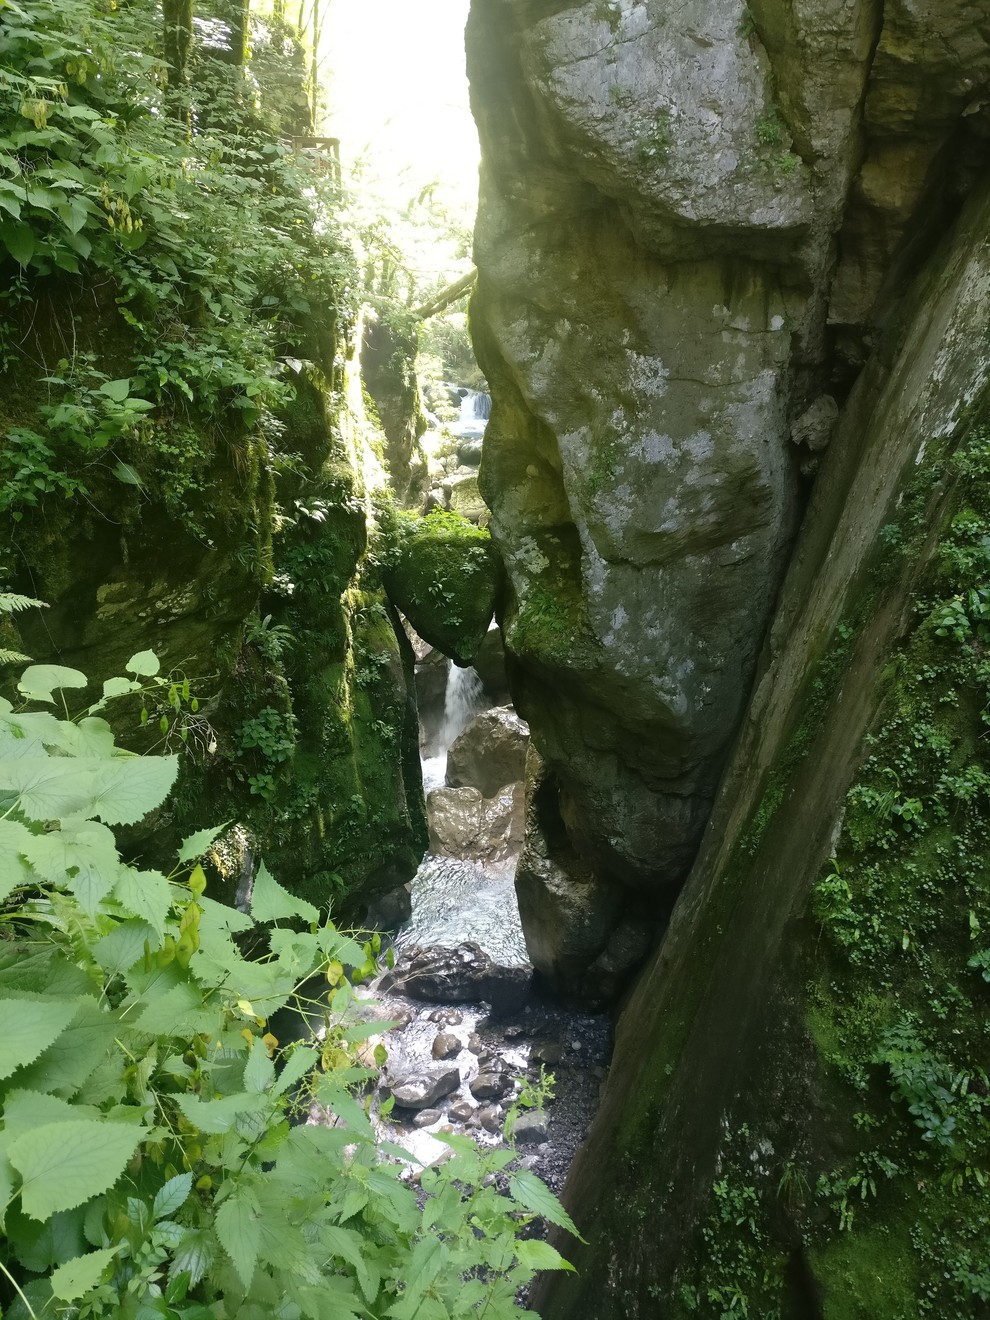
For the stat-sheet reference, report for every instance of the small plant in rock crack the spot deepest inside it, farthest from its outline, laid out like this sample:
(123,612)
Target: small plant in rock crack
(534,1093)
(272,640)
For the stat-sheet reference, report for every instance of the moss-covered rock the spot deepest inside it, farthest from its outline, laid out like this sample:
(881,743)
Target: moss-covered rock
(250,584)
(446,578)
(388,368)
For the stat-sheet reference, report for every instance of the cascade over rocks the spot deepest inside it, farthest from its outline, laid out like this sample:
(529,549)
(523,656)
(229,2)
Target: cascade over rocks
(689,219)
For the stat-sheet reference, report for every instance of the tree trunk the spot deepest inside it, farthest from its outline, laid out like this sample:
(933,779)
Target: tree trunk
(177,21)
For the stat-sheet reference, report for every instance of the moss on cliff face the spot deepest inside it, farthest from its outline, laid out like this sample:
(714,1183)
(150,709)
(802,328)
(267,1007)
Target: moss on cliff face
(446,577)
(248,581)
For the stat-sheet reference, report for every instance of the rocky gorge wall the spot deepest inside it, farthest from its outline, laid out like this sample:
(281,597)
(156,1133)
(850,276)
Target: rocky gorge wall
(796,1121)
(250,565)
(692,223)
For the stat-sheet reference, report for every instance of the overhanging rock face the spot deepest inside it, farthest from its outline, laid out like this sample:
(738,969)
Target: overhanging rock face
(677,207)
(764,1063)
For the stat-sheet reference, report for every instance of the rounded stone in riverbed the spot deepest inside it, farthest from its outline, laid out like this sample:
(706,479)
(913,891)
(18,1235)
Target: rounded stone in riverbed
(490,1085)
(490,1118)
(422,1090)
(446,1045)
(427,1117)
(531,1128)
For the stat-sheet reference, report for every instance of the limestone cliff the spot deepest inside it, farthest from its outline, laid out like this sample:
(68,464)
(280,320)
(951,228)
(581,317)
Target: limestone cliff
(692,223)
(796,1122)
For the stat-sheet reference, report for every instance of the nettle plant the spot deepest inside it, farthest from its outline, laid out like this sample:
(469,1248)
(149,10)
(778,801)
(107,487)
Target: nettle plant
(154,1155)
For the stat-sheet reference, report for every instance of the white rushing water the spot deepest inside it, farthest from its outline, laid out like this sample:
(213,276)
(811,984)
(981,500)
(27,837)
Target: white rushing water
(464,699)
(454,900)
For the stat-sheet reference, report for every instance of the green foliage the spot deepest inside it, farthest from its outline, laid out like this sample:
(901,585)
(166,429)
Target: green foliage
(771,131)
(272,640)
(211,250)
(153,1157)
(742,1273)
(655,145)
(898,1003)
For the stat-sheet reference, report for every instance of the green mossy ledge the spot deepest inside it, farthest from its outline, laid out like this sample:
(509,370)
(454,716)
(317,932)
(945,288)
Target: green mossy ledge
(446,577)
(797,1120)
(254,587)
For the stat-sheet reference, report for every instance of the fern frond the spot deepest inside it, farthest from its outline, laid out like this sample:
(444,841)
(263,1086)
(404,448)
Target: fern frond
(13,657)
(10,603)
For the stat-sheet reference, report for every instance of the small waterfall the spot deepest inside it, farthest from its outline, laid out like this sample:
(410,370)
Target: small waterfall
(475,410)
(463,700)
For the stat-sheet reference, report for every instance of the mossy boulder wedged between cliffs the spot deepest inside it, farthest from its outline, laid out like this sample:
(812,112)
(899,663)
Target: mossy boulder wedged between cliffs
(446,578)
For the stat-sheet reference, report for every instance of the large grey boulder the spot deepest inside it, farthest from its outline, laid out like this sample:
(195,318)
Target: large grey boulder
(689,217)
(423,1090)
(490,752)
(582,936)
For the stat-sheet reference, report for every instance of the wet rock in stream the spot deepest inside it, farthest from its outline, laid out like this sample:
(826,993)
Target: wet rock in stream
(425,1089)
(462,974)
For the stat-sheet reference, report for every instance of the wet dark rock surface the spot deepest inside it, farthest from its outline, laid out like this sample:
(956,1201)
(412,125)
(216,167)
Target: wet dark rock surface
(462,974)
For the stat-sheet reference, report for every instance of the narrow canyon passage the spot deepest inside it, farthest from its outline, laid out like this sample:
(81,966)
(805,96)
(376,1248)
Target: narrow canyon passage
(494,609)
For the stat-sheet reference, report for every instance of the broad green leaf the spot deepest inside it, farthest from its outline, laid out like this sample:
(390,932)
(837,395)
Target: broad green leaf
(270,902)
(79,243)
(218,918)
(341,947)
(83,846)
(259,1071)
(14,870)
(216,1116)
(281,1242)
(172,1196)
(144,894)
(334,1299)
(38,682)
(26,1110)
(119,792)
(64,1164)
(18,238)
(239,1231)
(179,1011)
(195,1255)
(77,1277)
(119,687)
(350,1247)
(40,973)
(145,663)
(118,390)
(197,844)
(124,945)
(7,1176)
(537,1255)
(298,1064)
(534,1195)
(73,215)
(125,473)
(40,1247)
(66,1064)
(30,1026)
(89,737)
